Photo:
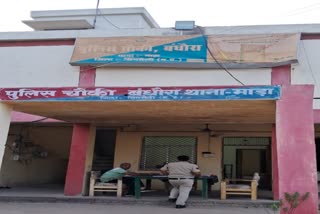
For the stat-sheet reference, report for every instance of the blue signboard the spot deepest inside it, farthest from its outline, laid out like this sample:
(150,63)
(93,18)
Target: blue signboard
(141,93)
(188,50)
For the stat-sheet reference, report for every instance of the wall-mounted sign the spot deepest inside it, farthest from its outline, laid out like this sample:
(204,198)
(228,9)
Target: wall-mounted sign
(140,93)
(199,49)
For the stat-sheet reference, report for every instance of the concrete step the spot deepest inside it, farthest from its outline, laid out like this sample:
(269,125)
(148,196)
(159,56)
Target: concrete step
(143,201)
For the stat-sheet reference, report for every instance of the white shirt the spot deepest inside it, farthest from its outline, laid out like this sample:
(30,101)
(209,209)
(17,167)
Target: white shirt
(181,169)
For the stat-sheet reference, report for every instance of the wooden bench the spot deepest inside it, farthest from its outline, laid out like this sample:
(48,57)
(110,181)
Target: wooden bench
(228,188)
(97,186)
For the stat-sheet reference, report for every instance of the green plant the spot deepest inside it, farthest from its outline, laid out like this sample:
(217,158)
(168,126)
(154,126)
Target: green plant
(292,201)
(275,207)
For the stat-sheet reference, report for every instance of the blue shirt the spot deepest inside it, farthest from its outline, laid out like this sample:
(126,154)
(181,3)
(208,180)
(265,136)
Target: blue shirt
(113,174)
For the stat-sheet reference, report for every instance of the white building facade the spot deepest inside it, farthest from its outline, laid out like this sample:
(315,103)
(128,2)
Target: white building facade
(75,54)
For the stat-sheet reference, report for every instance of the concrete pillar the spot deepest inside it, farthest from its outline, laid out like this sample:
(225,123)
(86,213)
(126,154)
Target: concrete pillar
(281,75)
(89,160)
(77,159)
(87,76)
(5,118)
(82,145)
(295,146)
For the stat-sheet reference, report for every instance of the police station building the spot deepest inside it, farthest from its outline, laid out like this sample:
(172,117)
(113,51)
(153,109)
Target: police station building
(78,95)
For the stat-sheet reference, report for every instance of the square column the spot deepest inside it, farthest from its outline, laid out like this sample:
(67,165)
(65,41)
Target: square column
(77,159)
(81,150)
(5,119)
(295,146)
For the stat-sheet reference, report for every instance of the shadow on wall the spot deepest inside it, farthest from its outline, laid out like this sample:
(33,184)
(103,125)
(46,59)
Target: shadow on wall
(31,167)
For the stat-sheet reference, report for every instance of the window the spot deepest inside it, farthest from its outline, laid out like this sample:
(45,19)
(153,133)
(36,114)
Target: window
(157,150)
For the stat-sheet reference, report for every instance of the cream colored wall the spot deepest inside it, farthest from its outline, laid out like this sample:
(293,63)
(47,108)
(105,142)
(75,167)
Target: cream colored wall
(128,143)
(4,128)
(51,170)
(128,149)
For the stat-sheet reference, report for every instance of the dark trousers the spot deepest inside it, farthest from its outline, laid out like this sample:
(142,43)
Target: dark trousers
(129,182)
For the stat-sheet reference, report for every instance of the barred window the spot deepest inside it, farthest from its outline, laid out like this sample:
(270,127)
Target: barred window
(158,150)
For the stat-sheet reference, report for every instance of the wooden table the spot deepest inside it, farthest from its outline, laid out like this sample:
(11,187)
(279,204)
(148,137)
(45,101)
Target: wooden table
(204,180)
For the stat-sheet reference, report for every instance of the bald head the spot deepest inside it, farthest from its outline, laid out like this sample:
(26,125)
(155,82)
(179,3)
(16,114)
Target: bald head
(125,166)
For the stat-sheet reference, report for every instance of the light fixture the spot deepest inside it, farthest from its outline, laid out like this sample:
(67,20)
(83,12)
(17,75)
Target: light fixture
(185,25)
(207,153)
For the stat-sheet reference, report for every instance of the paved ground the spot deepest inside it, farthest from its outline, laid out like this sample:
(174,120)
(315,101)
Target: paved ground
(77,208)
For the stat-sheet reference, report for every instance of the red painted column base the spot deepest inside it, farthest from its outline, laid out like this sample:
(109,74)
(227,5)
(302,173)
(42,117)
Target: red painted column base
(77,159)
(80,140)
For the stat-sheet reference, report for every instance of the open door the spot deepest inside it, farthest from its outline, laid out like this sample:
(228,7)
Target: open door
(242,156)
(250,161)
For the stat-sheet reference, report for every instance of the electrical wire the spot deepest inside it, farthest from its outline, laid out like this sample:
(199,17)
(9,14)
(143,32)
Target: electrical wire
(304,9)
(310,68)
(105,18)
(95,17)
(294,12)
(219,63)
(39,120)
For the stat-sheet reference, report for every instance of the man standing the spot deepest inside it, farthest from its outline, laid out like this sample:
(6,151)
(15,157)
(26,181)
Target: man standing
(181,176)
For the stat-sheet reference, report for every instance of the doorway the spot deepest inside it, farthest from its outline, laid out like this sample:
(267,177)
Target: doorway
(317,141)
(250,161)
(104,149)
(242,156)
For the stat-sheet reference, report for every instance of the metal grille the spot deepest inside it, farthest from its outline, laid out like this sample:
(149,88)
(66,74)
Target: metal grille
(246,141)
(159,150)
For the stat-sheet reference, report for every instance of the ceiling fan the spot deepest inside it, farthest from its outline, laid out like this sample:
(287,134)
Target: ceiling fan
(207,128)
(211,132)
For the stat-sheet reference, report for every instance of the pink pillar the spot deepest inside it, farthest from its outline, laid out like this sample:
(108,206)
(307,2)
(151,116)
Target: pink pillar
(80,139)
(295,148)
(87,76)
(77,159)
(281,75)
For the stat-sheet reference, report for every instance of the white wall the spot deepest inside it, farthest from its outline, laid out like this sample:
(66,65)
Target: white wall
(107,18)
(130,21)
(179,77)
(111,22)
(308,69)
(41,66)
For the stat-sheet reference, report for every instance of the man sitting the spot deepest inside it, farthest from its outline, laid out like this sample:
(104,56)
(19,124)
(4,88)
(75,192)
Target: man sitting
(113,175)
